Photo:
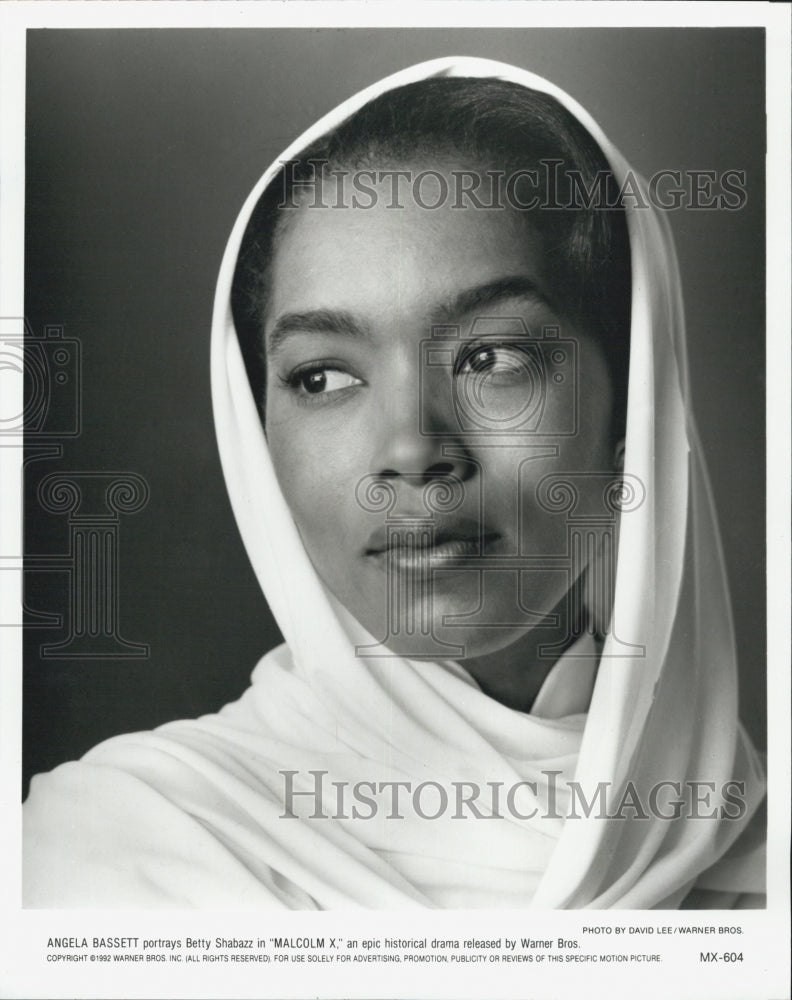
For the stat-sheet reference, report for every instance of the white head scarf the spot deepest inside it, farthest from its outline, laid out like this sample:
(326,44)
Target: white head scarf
(192,814)
(668,714)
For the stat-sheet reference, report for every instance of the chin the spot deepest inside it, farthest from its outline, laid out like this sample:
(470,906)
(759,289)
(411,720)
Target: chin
(481,641)
(431,637)
(456,624)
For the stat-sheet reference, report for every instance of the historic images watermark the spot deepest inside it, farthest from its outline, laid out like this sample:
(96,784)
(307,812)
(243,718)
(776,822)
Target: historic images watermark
(546,187)
(307,795)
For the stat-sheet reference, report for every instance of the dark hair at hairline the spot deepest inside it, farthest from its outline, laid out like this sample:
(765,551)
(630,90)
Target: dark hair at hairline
(484,121)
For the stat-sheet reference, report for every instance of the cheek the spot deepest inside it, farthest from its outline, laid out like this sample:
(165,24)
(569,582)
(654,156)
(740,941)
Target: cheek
(524,490)
(315,476)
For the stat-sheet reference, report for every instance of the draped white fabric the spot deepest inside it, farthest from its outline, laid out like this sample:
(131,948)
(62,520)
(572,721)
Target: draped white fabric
(192,814)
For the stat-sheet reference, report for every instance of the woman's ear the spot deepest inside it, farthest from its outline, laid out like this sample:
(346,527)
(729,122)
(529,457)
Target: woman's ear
(618,456)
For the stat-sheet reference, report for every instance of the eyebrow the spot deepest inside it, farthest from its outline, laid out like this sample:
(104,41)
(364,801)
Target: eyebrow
(340,322)
(516,286)
(333,321)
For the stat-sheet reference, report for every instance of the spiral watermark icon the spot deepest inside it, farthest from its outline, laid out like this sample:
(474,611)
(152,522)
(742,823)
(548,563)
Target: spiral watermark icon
(592,504)
(41,413)
(93,503)
(534,544)
(40,408)
(406,550)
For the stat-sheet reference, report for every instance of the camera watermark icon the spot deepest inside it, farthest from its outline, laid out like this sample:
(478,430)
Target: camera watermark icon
(527,534)
(40,404)
(34,423)
(51,369)
(474,381)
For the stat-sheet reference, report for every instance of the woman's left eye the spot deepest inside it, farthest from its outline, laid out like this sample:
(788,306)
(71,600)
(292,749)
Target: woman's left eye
(499,362)
(322,381)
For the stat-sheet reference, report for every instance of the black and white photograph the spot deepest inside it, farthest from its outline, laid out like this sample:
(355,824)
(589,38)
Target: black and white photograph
(392,446)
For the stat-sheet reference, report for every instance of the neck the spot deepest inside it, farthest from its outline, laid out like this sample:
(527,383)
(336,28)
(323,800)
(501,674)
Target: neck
(514,675)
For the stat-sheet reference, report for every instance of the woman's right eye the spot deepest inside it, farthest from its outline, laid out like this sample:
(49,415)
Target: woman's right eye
(321,381)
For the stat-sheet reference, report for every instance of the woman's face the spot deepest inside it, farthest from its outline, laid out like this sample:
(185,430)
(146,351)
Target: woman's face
(410,348)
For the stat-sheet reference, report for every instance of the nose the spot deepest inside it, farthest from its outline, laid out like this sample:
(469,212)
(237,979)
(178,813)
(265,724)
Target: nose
(418,436)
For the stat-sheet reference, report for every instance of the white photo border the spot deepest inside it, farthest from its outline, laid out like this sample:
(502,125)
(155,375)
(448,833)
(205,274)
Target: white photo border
(23,972)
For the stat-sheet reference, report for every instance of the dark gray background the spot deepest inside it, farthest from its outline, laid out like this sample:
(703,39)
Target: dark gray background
(141,147)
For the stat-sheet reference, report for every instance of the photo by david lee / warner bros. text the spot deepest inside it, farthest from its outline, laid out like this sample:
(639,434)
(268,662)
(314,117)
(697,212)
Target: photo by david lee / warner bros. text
(414,383)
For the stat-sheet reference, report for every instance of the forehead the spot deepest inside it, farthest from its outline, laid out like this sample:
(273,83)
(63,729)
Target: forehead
(359,252)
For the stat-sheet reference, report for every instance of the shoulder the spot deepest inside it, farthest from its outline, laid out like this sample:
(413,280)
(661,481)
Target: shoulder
(98,836)
(738,879)
(148,819)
